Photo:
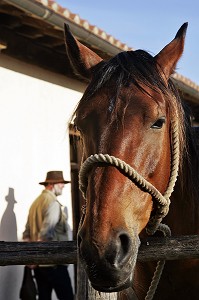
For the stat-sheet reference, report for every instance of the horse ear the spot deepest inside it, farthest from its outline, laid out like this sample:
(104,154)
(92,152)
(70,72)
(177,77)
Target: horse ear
(82,58)
(168,57)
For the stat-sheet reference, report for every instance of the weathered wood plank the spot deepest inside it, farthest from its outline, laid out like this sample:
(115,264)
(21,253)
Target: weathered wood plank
(23,253)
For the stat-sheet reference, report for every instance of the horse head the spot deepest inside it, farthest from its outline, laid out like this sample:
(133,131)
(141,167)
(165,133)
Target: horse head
(126,113)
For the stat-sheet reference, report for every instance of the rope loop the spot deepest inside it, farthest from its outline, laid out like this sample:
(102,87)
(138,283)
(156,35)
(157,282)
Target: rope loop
(163,202)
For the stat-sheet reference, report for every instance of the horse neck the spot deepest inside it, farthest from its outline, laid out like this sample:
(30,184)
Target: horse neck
(183,216)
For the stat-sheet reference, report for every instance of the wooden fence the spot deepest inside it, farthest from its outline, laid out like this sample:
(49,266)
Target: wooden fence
(151,249)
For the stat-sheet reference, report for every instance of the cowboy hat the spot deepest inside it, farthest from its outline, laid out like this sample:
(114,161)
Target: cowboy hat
(54,177)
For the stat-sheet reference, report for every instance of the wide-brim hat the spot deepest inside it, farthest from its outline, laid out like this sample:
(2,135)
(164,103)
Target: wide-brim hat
(54,177)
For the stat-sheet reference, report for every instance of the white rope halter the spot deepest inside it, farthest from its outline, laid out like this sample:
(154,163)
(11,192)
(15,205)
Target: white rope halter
(163,201)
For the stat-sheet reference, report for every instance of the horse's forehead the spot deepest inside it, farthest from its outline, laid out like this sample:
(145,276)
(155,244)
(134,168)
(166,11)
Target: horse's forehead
(147,99)
(105,100)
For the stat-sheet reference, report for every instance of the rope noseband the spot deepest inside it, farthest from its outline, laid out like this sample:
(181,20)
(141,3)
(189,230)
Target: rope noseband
(163,201)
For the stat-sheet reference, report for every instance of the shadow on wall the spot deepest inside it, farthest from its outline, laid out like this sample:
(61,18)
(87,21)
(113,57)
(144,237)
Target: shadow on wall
(8,225)
(10,276)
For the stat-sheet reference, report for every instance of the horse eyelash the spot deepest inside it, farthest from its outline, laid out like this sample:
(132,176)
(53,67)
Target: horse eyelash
(159,123)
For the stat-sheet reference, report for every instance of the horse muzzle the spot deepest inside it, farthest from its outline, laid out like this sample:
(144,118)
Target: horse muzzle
(109,266)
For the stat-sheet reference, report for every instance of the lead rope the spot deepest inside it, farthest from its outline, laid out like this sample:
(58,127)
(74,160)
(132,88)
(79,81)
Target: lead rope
(163,200)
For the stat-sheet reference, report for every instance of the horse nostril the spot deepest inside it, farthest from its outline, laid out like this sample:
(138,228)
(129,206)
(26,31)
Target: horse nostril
(124,247)
(120,250)
(124,244)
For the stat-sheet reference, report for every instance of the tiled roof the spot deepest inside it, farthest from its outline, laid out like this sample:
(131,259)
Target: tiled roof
(64,12)
(186,81)
(67,15)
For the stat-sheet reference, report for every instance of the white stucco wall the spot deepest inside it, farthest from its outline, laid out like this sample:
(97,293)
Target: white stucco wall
(34,139)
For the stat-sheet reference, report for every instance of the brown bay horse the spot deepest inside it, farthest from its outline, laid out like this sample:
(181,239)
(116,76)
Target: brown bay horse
(137,141)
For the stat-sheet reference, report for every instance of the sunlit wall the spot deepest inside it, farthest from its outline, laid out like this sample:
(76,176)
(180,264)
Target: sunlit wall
(36,106)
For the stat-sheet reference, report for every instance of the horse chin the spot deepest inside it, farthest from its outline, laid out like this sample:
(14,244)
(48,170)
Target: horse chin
(117,288)
(109,280)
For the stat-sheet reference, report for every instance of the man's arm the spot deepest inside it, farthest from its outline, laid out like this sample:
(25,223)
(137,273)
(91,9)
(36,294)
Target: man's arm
(51,218)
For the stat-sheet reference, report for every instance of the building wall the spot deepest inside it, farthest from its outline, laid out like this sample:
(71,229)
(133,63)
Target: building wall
(36,106)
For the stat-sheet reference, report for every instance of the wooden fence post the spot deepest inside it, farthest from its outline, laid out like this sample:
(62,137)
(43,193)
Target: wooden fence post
(82,282)
(95,295)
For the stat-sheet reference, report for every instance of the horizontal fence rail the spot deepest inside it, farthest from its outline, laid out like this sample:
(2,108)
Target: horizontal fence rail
(152,248)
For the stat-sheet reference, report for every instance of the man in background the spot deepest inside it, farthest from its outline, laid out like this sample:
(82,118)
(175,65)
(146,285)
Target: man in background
(48,222)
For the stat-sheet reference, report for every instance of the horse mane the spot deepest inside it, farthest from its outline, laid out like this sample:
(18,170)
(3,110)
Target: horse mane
(140,69)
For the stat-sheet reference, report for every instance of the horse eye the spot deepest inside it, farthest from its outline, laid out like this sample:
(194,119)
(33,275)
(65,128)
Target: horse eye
(158,124)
